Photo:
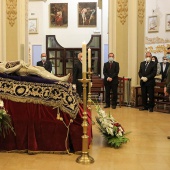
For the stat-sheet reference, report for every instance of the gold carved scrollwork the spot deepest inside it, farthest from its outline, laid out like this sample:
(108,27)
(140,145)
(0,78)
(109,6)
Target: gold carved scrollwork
(141,10)
(122,10)
(11,11)
(156,40)
(157,49)
(160,47)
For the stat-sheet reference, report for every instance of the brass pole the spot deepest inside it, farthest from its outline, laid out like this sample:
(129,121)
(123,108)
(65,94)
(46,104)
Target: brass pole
(84,158)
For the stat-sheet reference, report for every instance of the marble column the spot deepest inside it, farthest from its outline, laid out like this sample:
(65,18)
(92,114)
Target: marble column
(126,35)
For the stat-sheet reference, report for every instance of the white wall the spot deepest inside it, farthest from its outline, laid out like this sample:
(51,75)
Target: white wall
(71,36)
(157,42)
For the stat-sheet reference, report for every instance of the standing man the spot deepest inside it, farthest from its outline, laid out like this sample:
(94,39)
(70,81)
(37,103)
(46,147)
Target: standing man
(147,72)
(164,67)
(111,71)
(45,63)
(167,88)
(77,74)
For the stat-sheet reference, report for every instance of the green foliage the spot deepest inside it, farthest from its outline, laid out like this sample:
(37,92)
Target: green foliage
(115,141)
(5,123)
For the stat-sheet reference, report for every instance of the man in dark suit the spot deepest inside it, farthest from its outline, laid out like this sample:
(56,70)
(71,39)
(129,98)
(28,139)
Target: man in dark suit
(45,63)
(147,72)
(164,67)
(77,74)
(111,71)
(167,87)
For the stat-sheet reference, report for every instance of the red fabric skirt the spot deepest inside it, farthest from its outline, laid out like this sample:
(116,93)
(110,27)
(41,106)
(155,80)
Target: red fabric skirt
(37,129)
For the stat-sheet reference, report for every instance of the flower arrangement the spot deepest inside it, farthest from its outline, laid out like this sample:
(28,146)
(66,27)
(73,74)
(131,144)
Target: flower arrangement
(5,123)
(112,131)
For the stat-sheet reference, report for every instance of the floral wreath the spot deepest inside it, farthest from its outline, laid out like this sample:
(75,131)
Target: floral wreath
(112,131)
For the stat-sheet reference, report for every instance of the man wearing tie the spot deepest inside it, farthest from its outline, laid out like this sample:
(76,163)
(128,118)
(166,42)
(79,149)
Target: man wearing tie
(164,67)
(111,71)
(45,63)
(147,72)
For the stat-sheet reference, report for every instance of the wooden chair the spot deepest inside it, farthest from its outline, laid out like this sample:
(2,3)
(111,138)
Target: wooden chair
(161,101)
(98,87)
(121,90)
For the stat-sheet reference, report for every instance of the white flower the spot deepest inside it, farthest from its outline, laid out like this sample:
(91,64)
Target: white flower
(109,130)
(120,133)
(120,128)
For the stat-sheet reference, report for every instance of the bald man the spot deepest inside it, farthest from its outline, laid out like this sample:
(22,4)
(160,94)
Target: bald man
(45,63)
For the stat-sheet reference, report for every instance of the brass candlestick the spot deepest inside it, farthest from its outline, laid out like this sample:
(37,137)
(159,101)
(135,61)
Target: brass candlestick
(84,158)
(89,88)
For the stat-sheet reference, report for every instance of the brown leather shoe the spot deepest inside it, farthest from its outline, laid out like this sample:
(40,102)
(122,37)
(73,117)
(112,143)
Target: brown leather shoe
(168,137)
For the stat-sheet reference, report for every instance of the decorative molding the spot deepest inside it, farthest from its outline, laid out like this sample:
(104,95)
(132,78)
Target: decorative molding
(26,10)
(156,40)
(122,10)
(11,11)
(141,10)
(158,49)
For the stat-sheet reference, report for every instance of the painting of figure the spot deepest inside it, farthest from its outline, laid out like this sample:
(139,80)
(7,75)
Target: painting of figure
(87,14)
(58,14)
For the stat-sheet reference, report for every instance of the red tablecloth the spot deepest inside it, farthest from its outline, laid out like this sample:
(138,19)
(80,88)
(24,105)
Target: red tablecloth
(37,129)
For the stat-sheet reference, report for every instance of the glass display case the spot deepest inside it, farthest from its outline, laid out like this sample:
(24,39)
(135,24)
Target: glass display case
(63,59)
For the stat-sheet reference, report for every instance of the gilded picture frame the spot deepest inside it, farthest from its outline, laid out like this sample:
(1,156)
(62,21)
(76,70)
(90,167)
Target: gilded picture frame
(87,14)
(59,15)
(153,24)
(33,26)
(167,22)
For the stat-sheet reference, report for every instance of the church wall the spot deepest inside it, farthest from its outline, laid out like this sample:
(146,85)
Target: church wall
(71,36)
(157,42)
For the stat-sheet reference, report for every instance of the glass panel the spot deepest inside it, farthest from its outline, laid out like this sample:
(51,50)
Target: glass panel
(69,71)
(51,54)
(53,65)
(59,67)
(95,62)
(58,54)
(95,42)
(52,43)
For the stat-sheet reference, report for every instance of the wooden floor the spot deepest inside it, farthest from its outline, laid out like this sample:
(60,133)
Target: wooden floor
(148,149)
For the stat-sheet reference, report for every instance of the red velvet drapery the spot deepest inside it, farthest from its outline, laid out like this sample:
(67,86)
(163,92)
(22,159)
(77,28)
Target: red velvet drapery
(37,129)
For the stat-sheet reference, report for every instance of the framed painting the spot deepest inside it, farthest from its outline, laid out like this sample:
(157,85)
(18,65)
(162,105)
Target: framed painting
(33,26)
(167,22)
(87,14)
(58,14)
(153,23)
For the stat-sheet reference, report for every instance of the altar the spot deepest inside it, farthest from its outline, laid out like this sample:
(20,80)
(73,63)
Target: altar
(46,115)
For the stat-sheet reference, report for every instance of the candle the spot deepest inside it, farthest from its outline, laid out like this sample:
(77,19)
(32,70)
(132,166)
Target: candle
(89,58)
(84,57)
